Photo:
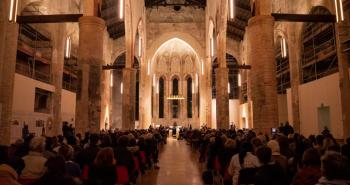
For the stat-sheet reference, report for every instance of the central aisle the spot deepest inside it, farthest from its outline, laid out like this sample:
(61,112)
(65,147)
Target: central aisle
(178,166)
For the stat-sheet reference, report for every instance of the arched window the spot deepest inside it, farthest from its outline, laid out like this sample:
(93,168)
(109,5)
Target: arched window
(175,103)
(189,97)
(232,77)
(137,102)
(214,66)
(282,66)
(161,97)
(319,56)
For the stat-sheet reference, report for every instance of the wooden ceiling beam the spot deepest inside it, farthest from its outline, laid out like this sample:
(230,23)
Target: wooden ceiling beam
(304,17)
(57,18)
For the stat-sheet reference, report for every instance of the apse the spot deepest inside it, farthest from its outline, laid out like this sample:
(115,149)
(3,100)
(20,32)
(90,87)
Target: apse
(175,70)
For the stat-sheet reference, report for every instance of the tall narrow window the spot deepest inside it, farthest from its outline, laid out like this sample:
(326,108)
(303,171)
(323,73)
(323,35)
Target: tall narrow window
(189,98)
(175,104)
(161,98)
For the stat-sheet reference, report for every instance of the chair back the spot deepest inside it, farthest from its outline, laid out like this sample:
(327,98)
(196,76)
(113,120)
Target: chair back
(122,175)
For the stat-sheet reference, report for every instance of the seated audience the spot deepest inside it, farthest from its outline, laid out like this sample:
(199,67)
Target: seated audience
(34,167)
(310,171)
(335,169)
(269,173)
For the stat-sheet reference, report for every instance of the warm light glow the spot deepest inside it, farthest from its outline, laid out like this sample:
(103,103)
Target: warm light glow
(121,9)
(16,9)
(228,88)
(197,82)
(111,84)
(341,10)
(202,67)
(232,9)
(106,117)
(148,67)
(68,47)
(11,12)
(336,9)
(283,47)
(140,46)
(212,47)
(175,97)
(192,88)
(157,90)
(239,80)
(121,88)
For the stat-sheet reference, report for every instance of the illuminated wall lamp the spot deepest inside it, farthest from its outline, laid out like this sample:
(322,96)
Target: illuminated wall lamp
(68,47)
(283,48)
(339,11)
(140,46)
(202,67)
(232,9)
(121,88)
(111,84)
(121,9)
(239,80)
(13,11)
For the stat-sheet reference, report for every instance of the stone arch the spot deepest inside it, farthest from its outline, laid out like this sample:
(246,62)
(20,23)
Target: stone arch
(187,38)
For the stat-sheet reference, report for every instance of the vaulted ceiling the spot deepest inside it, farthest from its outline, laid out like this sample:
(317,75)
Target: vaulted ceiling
(236,27)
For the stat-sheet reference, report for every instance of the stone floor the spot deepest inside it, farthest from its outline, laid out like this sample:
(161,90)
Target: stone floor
(178,166)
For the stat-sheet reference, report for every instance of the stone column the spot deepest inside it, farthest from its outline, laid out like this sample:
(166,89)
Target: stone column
(294,61)
(8,52)
(342,32)
(222,98)
(57,75)
(128,98)
(90,62)
(261,56)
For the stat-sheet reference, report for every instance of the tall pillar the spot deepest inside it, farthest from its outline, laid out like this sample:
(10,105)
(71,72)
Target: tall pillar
(342,32)
(88,111)
(8,52)
(222,97)
(129,94)
(57,75)
(294,61)
(261,56)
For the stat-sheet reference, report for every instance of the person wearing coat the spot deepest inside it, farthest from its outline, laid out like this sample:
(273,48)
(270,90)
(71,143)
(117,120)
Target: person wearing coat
(8,175)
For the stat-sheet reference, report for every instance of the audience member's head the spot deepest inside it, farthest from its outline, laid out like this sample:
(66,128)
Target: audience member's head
(264,155)
(37,144)
(56,166)
(334,166)
(274,146)
(123,141)
(311,158)
(105,157)
(66,152)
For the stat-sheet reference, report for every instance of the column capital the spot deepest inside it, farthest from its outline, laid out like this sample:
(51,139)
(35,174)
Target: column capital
(261,19)
(92,20)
